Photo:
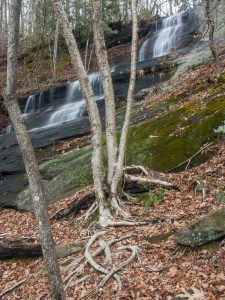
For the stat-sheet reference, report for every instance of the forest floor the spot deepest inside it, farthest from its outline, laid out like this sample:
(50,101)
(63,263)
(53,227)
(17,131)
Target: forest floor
(163,270)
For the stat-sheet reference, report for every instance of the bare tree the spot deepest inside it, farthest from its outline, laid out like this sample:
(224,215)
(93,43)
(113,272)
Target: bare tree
(211,25)
(35,181)
(55,52)
(106,191)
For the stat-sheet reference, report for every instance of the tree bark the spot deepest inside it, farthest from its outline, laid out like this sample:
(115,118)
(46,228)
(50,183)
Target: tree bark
(171,7)
(110,111)
(35,181)
(27,247)
(211,24)
(122,146)
(95,122)
(55,52)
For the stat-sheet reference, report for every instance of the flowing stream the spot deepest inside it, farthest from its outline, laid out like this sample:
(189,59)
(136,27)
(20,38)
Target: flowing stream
(168,33)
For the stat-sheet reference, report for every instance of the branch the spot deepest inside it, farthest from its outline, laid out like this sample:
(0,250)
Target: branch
(188,161)
(15,286)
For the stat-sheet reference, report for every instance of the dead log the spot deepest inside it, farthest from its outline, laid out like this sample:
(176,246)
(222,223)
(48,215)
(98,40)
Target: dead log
(29,247)
(19,248)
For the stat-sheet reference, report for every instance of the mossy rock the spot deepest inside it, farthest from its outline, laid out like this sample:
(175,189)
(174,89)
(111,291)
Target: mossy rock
(160,143)
(221,79)
(203,231)
(164,142)
(62,176)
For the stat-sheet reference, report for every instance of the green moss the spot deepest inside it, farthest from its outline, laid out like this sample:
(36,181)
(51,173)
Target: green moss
(151,198)
(217,90)
(166,141)
(200,87)
(23,178)
(160,143)
(221,79)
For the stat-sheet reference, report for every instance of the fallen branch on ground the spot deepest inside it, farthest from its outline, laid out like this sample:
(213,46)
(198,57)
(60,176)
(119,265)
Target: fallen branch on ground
(15,286)
(188,161)
(29,247)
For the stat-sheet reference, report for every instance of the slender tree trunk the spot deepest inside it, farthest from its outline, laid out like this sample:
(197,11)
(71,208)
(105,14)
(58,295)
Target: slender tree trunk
(110,111)
(55,52)
(122,146)
(171,7)
(95,121)
(105,205)
(211,24)
(35,181)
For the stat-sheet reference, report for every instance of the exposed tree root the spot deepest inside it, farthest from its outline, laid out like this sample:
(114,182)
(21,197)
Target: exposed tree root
(76,268)
(133,184)
(115,269)
(149,182)
(136,169)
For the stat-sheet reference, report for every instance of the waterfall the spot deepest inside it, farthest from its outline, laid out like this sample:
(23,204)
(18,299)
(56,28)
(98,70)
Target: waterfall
(96,83)
(142,51)
(75,103)
(168,35)
(30,105)
(40,101)
(9,129)
(73,92)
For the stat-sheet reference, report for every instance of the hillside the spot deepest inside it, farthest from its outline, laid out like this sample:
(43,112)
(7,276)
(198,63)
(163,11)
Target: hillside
(172,245)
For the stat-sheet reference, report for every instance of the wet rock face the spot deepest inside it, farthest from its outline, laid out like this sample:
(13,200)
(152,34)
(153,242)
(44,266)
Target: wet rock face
(205,230)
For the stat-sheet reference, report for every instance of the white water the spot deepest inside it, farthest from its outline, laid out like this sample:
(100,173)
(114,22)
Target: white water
(75,103)
(30,105)
(9,129)
(143,50)
(168,36)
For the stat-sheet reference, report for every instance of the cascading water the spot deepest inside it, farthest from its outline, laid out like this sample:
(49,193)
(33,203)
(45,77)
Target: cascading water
(75,103)
(30,105)
(168,36)
(143,50)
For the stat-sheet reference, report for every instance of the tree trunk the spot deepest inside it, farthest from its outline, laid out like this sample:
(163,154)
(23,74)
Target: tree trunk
(35,181)
(55,52)
(211,24)
(110,111)
(171,7)
(122,146)
(95,122)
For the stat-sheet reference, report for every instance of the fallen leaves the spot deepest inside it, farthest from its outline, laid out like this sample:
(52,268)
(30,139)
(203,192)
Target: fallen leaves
(191,294)
(161,271)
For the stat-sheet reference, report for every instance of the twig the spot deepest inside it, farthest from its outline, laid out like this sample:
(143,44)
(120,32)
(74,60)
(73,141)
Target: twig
(188,161)
(156,270)
(15,286)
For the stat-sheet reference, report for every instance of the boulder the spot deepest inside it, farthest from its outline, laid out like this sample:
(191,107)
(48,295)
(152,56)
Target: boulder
(203,231)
